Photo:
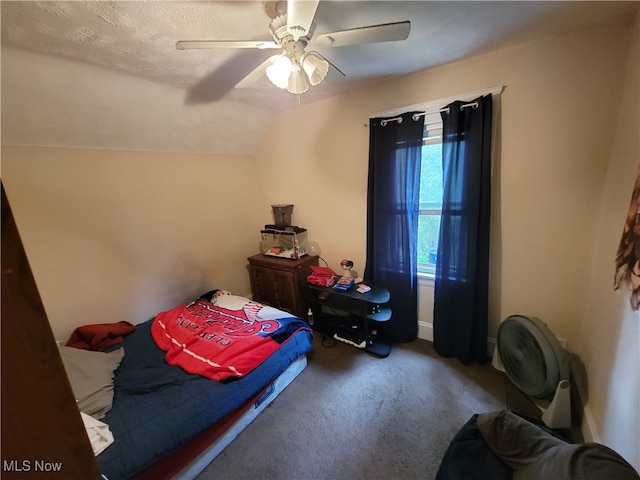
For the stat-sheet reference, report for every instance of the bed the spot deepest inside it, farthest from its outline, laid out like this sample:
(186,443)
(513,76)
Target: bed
(169,423)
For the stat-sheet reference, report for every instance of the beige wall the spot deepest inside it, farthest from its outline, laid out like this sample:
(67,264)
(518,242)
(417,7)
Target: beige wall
(558,113)
(316,158)
(608,336)
(122,235)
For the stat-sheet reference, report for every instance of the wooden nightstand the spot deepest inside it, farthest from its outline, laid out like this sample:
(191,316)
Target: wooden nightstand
(279,282)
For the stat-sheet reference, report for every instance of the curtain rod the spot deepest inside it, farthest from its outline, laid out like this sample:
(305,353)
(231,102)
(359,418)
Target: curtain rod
(496,91)
(415,116)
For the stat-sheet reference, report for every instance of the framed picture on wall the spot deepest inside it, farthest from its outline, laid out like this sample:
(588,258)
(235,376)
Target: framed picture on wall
(628,255)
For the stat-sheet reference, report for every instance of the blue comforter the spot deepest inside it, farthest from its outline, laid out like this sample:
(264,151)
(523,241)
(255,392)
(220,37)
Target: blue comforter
(158,408)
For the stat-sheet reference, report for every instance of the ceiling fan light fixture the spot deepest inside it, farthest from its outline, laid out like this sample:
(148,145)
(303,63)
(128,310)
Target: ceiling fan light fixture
(297,81)
(279,71)
(292,27)
(315,67)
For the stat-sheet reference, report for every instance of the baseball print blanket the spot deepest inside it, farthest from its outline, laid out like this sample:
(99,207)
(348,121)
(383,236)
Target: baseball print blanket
(220,335)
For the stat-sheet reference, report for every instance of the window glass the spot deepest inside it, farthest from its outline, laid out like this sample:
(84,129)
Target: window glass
(430,194)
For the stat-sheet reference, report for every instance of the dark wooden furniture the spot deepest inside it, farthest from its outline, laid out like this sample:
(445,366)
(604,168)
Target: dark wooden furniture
(42,431)
(279,281)
(368,307)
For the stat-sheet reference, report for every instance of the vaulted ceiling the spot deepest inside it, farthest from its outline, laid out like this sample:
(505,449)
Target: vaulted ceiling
(107,74)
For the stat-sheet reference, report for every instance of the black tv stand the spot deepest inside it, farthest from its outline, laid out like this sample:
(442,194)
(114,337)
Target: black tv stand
(363,307)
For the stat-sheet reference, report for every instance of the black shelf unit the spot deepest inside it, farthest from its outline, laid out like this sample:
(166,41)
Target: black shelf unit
(360,308)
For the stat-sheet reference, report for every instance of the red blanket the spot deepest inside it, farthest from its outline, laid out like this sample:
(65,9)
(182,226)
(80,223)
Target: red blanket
(99,336)
(218,342)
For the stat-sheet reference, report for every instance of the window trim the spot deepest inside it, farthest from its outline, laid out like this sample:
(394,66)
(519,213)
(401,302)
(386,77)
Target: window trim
(437,104)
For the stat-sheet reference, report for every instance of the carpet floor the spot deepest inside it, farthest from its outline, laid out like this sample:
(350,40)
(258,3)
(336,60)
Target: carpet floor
(353,416)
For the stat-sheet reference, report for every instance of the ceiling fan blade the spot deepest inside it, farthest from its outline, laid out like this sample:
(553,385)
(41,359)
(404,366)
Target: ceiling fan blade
(386,32)
(190,44)
(334,72)
(257,73)
(300,15)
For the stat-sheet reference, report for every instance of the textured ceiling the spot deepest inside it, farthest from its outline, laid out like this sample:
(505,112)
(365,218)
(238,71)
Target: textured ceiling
(107,74)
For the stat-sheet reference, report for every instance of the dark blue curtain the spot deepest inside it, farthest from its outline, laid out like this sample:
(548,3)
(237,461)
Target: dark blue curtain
(462,268)
(395,148)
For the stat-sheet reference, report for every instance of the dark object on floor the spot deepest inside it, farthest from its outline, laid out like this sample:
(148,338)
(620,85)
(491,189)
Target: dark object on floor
(502,445)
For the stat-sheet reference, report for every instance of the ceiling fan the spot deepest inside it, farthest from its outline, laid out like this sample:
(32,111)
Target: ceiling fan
(292,27)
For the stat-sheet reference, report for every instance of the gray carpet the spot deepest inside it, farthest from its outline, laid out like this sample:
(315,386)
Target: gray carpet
(353,416)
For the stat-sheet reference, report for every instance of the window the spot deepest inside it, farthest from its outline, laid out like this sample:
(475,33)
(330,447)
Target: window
(430,194)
